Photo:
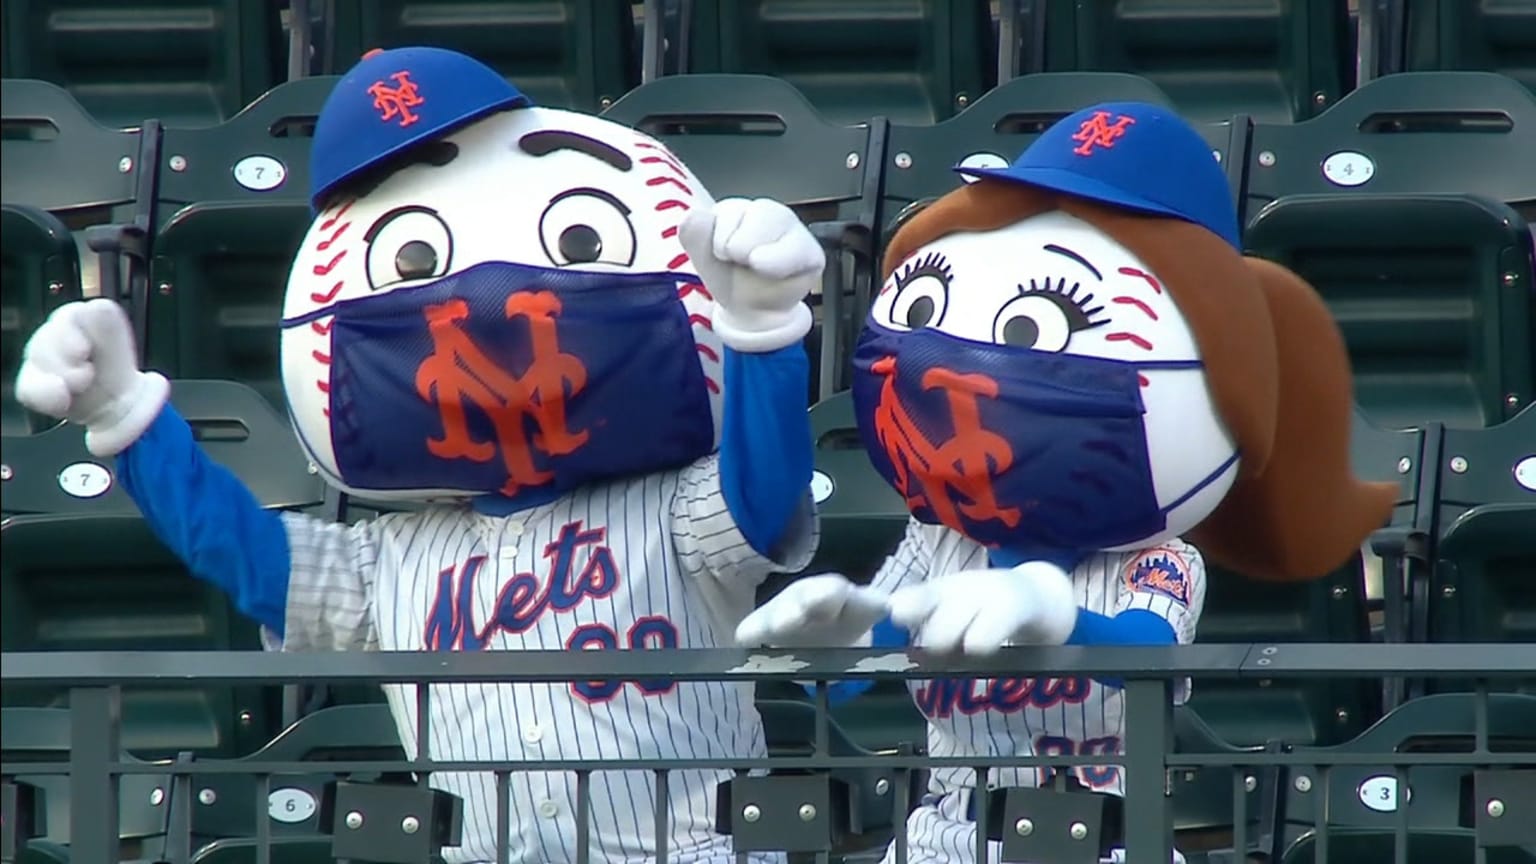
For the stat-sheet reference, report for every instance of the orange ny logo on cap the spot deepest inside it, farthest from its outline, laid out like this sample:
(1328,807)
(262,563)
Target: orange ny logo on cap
(1097,131)
(397,101)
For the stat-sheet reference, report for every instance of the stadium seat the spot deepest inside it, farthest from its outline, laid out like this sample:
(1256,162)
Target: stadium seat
(42,735)
(39,270)
(1433,294)
(1359,801)
(1330,609)
(995,129)
(1488,35)
(1276,61)
(121,589)
(1483,590)
(1414,133)
(234,200)
(56,157)
(912,62)
(223,824)
(185,62)
(756,136)
(575,54)
(1202,797)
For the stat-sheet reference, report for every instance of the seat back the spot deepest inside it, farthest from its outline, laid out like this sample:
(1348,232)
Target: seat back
(1483,587)
(577,54)
(1433,294)
(235,200)
(39,271)
(1277,61)
(913,62)
(862,517)
(1485,34)
(56,157)
(53,473)
(1329,609)
(1418,133)
(994,130)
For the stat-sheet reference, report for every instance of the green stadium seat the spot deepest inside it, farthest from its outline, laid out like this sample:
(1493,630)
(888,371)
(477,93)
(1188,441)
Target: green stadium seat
(1330,610)
(1483,590)
(84,572)
(913,62)
(184,62)
(757,136)
(41,735)
(577,54)
(1277,61)
(234,198)
(1361,800)
(39,270)
(55,157)
(862,517)
(1433,294)
(995,129)
(1489,35)
(1202,797)
(1413,133)
(224,827)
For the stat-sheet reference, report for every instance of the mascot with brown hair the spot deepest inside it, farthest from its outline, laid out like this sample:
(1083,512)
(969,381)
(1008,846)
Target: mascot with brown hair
(1083,390)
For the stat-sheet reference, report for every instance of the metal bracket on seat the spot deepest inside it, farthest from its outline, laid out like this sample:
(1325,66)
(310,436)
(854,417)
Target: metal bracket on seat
(1504,808)
(1063,827)
(780,812)
(390,824)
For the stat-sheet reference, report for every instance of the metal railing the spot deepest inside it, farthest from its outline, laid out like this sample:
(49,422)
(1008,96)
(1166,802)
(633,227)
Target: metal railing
(96,767)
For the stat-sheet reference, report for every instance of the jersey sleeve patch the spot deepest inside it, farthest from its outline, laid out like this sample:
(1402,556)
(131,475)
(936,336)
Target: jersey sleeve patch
(1160,571)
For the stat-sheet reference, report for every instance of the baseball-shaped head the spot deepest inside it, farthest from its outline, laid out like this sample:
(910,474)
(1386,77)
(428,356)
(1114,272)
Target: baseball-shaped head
(1107,256)
(430,208)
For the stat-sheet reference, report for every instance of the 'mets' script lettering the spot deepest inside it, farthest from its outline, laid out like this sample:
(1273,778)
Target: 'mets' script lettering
(945,697)
(524,600)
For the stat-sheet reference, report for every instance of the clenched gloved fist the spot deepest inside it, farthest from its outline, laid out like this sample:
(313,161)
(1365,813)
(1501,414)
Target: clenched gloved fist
(759,262)
(826,611)
(81,366)
(980,611)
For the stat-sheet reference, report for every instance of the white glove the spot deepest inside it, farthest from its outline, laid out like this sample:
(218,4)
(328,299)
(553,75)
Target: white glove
(81,366)
(980,611)
(759,262)
(826,611)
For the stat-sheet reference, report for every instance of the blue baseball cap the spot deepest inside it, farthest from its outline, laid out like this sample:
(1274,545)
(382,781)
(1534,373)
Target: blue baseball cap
(394,99)
(1133,155)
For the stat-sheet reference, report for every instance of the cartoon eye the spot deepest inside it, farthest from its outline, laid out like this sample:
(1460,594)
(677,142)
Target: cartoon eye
(922,293)
(407,244)
(587,226)
(1043,318)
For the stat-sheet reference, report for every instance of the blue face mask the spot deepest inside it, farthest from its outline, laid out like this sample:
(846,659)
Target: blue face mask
(1027,451)
(512,379)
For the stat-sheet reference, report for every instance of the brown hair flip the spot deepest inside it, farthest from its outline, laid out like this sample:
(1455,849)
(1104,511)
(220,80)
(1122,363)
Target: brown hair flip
(1275,364)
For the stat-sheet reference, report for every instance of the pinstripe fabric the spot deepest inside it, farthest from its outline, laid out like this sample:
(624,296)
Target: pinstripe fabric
(654,562)
(1022,716)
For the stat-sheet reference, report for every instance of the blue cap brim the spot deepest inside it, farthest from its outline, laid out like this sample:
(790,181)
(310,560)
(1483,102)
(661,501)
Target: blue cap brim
(1071,183)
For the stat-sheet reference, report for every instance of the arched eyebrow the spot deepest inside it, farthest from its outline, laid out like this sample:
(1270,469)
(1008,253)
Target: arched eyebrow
(547,141)
(1068,253)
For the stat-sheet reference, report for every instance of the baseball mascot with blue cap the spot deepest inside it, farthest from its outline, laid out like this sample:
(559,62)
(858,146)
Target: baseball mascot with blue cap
(540,326)
(1082,389)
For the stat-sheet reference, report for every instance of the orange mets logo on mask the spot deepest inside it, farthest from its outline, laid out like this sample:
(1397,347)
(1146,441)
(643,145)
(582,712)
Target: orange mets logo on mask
(1097,131)
(396,101)
(458,375)
(952,478)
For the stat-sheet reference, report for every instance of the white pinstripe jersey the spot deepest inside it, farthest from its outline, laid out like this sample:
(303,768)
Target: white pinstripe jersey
(1028,716)
(652,562)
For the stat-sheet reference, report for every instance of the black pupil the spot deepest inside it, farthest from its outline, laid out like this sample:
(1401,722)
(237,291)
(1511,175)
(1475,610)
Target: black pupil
(1021,332)
(580,244)
(415,260)
(920,312)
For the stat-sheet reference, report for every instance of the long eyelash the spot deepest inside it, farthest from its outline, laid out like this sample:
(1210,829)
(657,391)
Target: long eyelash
(1069,294)
(932,264)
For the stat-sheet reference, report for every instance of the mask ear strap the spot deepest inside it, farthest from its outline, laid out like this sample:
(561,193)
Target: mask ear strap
(1209,479)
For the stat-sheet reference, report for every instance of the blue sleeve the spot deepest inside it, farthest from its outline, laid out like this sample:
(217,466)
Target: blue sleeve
(1131,627)
(208,518)
(765,443)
